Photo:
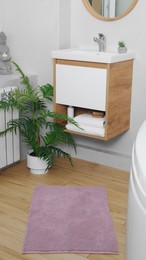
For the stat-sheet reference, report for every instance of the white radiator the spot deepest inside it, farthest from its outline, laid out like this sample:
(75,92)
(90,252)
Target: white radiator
(10,143)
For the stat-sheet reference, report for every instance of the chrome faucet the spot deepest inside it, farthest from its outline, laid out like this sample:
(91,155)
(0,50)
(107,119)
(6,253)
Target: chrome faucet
(101,41)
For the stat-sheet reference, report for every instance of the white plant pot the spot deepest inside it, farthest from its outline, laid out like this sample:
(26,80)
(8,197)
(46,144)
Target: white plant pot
(35,164)
(122,49)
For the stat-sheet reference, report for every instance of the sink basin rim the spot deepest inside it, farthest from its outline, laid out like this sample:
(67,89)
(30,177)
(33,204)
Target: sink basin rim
(92,55)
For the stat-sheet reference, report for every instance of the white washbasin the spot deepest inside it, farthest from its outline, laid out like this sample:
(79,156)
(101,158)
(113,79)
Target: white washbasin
(91,55)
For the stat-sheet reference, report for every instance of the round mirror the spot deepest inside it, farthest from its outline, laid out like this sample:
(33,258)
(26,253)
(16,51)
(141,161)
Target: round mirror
(109,10)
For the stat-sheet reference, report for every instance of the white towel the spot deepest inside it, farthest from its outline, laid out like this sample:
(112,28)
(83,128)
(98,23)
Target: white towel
(87,119)
(97,131)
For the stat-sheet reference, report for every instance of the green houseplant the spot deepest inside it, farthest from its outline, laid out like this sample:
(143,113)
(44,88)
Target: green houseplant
(122,47)
(34,116)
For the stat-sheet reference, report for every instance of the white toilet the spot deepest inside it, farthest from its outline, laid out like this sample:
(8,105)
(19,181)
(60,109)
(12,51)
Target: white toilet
(136,221)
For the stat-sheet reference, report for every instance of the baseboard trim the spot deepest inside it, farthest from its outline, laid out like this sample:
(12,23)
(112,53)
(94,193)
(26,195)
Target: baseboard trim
(108,158)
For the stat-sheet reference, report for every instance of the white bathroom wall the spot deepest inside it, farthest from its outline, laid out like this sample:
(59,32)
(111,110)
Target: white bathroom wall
(32,29)
(131,29)
(64,23)
(36,27)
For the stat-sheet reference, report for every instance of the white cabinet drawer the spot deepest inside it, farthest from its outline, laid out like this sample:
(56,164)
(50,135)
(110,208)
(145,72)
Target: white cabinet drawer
(81,86)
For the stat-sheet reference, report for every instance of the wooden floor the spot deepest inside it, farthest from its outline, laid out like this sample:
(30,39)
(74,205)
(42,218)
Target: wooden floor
(17,185)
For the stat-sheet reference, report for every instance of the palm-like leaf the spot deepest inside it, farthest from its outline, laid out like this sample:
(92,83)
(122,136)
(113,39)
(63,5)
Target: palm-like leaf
(25,79)
(47,91)
(35,116)
(57,135)
(50,152)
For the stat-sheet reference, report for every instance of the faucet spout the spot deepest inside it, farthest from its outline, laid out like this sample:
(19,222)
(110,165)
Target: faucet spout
(101,41)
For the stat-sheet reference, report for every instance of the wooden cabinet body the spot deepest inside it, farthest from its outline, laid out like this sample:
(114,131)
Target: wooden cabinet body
(91,86)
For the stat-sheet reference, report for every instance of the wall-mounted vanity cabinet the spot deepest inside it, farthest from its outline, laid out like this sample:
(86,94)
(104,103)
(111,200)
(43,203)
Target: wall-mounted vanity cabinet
(91,81)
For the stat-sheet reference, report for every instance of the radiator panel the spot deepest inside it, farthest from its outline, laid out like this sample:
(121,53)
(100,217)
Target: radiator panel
(3,161)
(10,143)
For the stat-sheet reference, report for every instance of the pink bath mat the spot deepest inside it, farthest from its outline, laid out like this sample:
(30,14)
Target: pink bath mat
(70,219)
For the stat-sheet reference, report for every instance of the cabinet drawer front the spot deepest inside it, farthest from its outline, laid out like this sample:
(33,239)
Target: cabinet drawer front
(81,86)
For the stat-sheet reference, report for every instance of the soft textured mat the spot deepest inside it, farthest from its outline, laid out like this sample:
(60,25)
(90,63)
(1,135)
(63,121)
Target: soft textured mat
(70,219)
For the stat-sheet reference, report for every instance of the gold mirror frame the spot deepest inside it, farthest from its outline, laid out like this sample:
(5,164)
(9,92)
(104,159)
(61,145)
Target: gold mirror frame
(100,17)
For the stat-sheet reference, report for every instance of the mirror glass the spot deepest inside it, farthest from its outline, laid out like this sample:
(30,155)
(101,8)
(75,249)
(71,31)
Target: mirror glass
(109,9)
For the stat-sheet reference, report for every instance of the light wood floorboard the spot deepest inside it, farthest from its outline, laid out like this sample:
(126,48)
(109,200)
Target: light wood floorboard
(17,185)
